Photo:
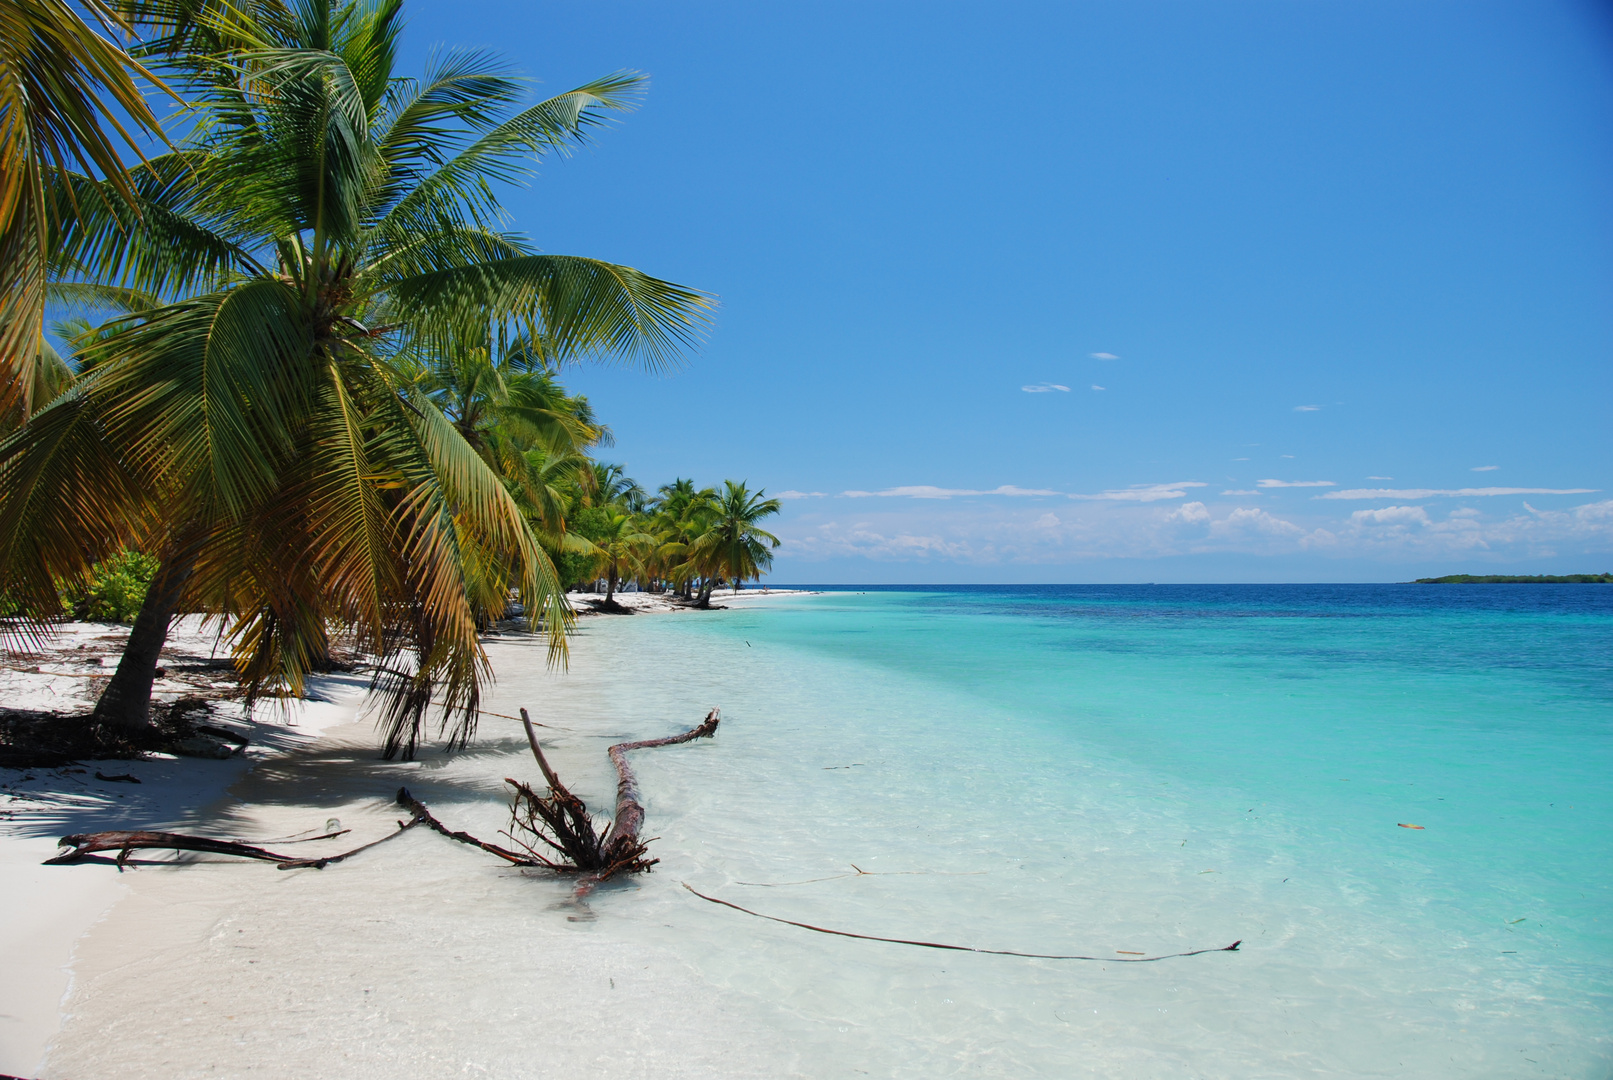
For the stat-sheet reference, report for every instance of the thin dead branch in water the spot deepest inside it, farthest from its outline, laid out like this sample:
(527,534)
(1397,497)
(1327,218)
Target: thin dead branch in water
(860,872)
(959,948)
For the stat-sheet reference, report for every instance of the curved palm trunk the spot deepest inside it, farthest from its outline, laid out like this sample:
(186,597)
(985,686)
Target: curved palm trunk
(610,587)
(706,586)
(125,704)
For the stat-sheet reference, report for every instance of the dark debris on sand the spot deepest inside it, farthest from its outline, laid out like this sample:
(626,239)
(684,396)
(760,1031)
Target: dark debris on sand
(35,739)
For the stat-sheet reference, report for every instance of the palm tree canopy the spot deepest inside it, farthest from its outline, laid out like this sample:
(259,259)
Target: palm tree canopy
(326,222)
(65,92)
(733,545)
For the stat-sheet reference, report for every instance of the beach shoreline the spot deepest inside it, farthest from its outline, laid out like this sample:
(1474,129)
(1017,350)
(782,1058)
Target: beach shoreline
(48,912)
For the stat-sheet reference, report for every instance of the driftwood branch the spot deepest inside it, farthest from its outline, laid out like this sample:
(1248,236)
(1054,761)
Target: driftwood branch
(564,837)
(125,842)
(423,816)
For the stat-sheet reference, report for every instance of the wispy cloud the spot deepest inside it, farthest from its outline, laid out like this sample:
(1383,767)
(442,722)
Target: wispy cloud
(793,494)
(1095,386)
(1019,531)
(1294,483)
(1145,492)
(1043,388)
(1380,478)
(1307,408)
(1480,468)
(1240,493)
(927,491)
(1447,493)
(1103,356)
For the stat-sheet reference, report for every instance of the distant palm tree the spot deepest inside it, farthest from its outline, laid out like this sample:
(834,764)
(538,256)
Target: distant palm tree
(621,544)
(65,90)
(326,219)
(733,545)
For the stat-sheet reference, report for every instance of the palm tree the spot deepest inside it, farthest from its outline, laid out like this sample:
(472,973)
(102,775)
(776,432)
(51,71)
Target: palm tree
(684,514)
(621,544)
(326,219)
(733,546)
(63,88)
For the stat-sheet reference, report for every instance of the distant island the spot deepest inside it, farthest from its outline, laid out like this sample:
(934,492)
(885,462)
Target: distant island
(1517,579)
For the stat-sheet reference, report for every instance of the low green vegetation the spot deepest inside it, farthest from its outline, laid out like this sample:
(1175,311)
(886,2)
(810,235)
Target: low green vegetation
(115,590)
(1517,579)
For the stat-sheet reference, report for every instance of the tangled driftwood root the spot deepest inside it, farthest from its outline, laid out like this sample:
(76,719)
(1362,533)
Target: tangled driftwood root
(571,842)
(561,823)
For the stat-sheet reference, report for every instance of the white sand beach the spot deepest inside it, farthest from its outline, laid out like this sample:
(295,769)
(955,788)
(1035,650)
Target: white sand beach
(193,964)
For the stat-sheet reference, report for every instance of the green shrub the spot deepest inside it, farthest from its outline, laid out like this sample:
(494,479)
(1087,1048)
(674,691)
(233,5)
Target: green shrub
(115,590)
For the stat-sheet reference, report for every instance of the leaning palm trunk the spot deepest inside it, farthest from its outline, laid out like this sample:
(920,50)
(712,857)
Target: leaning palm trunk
(125,704)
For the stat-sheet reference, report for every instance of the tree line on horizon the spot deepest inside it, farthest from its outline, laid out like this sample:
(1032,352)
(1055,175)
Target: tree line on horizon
(299,364)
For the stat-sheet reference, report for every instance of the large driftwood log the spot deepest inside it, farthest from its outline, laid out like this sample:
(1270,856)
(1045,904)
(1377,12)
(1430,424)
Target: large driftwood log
(629,811)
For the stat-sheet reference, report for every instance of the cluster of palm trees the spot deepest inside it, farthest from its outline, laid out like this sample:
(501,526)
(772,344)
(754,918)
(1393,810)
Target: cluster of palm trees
(309,368)
(682,540)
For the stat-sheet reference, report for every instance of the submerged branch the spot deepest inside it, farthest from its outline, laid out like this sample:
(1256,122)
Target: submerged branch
(960,948)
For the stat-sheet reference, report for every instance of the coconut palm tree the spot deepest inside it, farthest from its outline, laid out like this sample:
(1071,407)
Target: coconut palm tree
(683,515)
(733,545)
(325,219)
(621,544)
(66,91)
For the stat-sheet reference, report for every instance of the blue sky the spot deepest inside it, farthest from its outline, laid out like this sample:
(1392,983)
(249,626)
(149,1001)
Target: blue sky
(1091,291)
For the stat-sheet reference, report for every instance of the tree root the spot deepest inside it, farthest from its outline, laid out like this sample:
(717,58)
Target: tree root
(560,821)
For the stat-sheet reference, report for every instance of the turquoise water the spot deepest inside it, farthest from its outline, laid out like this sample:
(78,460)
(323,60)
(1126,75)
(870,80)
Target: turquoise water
(1141,769)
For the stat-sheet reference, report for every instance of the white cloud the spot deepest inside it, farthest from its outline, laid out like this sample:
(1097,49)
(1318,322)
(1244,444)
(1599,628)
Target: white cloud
(1288,456)
(1145,492)
(927,491)
(1103,356)
(1391,515)
(1240,459)
(1245,522)
(1447,493)
(1002,532)
(1095,386)
(1380,478)
(1294,483)
(1481,468)
(1242,492)
(793,494)
(1043,388)
(1307,408)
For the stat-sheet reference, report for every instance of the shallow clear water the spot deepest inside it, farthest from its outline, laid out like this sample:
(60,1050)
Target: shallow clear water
(1148,769)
